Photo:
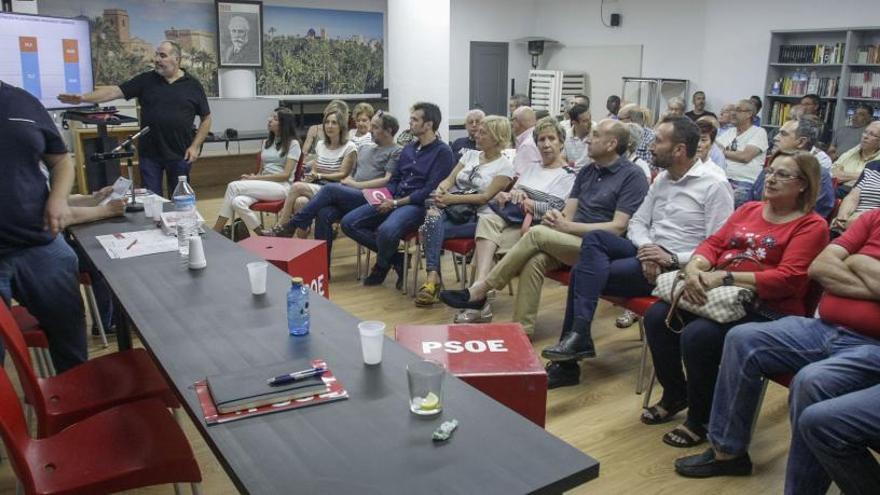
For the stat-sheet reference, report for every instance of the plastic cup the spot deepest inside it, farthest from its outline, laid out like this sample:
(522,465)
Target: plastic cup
(156,212)
(425,387)
(372,339)
(148,206)
(197,259)
(257,275)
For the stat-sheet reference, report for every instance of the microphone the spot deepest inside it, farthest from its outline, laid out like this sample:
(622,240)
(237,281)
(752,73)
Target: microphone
(127,142)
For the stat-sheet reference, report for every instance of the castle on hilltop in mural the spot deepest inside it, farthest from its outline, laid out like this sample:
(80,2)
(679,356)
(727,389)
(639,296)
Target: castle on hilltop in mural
(304,51)
(125,34)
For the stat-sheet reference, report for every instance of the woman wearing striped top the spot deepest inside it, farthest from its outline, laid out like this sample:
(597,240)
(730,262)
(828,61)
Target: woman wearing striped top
(539,189)
(335,159)
(864,196)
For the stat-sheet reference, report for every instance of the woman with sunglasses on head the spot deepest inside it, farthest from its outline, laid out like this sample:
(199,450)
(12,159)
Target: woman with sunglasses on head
(278,160)
(478,177)
(767,247)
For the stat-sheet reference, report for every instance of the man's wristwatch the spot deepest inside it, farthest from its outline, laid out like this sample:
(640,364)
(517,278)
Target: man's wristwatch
(394,203)
(728,279)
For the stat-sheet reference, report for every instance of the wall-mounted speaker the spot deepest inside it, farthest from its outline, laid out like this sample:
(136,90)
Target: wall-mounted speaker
(615,20)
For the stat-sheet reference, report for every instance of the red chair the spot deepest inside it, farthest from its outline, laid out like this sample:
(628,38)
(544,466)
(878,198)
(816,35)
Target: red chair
(35,339)
(461,250)
(275,206)
(84,390)
(129,446)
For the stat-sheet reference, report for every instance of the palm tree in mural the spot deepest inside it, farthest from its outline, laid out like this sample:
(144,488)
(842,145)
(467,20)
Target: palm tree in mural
(111,61)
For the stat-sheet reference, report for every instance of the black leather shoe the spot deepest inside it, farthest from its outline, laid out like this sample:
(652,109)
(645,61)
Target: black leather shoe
(376,277)
(459,299)
(572,347)
(562,375)
(705,465)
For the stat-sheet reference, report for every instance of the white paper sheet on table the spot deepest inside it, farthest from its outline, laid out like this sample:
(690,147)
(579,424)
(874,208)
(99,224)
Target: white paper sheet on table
(139,243)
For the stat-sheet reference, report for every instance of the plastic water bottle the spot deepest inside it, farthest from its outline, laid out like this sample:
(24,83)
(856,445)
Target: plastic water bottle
(187,219)
(298,308)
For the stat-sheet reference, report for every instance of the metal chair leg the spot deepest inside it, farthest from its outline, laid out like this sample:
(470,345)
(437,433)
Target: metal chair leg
(96,315)
(47,358)
(359,269)
(643,363)
(647,400)
(196,488)
(418,268)
(758,409)
(456,267)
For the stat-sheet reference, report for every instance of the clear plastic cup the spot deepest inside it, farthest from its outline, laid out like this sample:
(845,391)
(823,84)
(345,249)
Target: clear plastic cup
(257,275)
(425,387)
(372,340)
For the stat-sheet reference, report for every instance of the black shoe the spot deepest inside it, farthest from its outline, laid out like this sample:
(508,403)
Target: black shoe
(459,299)
(377,276)
(397,265)
(705,465)
(107,330)
(562,374)
(573,346)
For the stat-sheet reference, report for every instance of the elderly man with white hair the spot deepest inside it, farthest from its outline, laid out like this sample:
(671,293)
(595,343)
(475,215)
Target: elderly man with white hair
(632,113)
(675,107)
(472,122)
(527,154)
(241,48)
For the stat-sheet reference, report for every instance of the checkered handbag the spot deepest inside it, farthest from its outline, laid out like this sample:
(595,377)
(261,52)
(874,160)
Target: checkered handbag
(724,304)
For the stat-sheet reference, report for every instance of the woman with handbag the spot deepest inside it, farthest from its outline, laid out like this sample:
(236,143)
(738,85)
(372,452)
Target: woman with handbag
(539,189)
(278,160)
(763,252)
(462,197)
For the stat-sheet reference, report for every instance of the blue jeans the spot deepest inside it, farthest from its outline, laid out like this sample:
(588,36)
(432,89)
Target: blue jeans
(608,266)
(326,208)
(382,232)
(742,192)
(44,280)
(834,400)
(151,173)
(438,228)
(699,346)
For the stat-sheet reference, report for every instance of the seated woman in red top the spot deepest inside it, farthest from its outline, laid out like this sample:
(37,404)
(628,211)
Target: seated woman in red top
(783,235)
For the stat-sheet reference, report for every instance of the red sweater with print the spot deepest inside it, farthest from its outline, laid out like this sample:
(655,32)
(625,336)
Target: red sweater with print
(860,315)
(785,251)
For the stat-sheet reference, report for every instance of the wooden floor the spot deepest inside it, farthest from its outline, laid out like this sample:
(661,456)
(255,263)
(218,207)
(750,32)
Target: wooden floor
(599,416)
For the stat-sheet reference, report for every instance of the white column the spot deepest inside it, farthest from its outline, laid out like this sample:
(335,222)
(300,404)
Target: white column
(237,83)
(418,57)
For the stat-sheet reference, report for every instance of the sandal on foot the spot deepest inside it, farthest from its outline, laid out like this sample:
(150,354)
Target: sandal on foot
(682,437)
(626,320)
(662,413)
(428,294)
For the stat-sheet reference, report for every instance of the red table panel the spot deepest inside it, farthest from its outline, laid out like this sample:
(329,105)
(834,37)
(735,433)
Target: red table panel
(496,358)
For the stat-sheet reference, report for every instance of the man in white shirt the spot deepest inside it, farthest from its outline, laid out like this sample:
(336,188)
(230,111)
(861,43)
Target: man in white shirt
(527,153)
(686,203)
(745,146)
(564,121)
(577,147)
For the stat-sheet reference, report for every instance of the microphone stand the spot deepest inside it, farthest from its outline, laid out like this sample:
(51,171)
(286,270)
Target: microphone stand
(124,150)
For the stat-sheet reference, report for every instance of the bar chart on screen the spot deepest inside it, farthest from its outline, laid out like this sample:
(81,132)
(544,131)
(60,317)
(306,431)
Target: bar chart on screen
(46,56)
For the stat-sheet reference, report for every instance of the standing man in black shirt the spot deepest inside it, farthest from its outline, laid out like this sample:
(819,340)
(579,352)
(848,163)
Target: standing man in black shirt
(170,99)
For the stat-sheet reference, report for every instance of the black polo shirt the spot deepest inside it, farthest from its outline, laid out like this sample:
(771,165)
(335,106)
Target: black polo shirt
(169,110)
(601,191)
(26,134)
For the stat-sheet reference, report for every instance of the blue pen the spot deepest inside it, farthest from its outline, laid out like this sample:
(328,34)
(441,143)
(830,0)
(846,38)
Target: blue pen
(295,376)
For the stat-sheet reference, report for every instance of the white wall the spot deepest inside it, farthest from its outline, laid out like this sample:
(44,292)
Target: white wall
(735,62)
(487,20)
(671,32)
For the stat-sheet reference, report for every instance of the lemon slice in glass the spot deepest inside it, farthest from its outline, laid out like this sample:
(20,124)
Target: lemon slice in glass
(430,402)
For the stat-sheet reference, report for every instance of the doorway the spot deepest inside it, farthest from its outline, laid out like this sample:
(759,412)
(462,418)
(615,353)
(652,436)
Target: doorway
(488,77)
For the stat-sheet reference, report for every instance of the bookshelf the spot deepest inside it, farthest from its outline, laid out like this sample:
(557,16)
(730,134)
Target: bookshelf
(841,65)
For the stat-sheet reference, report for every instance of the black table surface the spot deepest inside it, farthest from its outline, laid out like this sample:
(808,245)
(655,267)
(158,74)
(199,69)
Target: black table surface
(199,323)
(242,136)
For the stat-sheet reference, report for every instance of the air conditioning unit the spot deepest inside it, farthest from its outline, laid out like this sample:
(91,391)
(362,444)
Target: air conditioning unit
(550,88)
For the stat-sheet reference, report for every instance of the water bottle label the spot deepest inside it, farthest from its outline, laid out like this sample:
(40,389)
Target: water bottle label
(183,203)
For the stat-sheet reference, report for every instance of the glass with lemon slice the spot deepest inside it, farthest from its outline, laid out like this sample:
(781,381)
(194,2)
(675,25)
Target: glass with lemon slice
(425,387)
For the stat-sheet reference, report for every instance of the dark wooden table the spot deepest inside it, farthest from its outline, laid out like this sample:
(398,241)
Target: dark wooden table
(198,323)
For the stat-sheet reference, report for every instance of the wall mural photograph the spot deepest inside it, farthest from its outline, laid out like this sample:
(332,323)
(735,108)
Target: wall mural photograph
(303,51)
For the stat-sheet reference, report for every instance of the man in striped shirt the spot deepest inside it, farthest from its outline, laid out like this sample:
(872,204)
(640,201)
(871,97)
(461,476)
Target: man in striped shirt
(863,197)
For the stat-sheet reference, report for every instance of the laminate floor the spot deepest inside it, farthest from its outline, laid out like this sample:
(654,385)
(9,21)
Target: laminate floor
(600,416)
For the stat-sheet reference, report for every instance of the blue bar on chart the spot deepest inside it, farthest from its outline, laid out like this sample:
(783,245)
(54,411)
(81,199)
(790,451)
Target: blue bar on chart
(30,65)
(72,83)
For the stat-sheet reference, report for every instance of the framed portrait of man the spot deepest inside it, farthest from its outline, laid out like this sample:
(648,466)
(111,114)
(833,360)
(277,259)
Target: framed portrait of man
(240,33)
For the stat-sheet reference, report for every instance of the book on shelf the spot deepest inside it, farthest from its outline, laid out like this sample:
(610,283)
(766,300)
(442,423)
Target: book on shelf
(868,54)
(800,83)
(780,113)
(248,390)
(864,85)
(812,54)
